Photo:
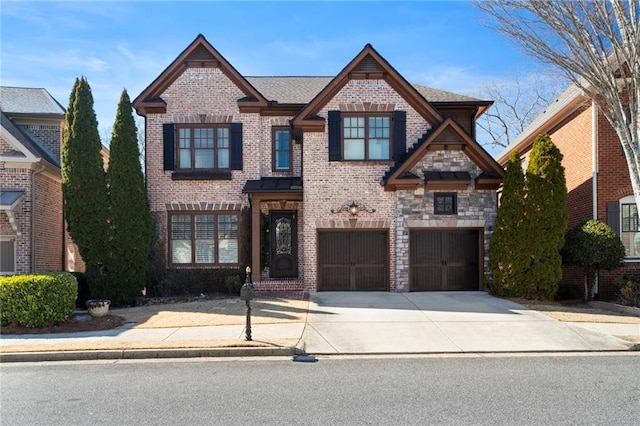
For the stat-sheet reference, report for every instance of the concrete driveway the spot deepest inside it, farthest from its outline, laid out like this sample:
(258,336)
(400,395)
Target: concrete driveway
(437,322)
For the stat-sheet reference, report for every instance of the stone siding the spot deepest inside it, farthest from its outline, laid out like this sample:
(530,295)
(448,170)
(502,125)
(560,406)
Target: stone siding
(477,209)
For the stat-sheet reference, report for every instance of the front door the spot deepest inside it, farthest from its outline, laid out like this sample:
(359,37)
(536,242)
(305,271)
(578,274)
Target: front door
(283,244)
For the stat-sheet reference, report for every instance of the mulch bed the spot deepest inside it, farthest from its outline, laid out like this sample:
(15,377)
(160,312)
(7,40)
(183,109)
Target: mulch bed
(71,325)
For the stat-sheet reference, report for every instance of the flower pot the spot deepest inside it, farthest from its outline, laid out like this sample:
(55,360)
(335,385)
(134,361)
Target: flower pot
(98,307)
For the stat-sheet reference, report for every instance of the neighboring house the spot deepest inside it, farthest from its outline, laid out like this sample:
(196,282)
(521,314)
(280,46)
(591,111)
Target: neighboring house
(32,236)
(598,181)
(361,181)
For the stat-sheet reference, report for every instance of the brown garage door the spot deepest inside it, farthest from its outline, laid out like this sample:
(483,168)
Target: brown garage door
(444,260)
(353,261)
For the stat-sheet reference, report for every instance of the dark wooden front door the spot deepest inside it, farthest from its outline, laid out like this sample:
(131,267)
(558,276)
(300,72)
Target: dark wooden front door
(444,260)
(283,244)
(353,261)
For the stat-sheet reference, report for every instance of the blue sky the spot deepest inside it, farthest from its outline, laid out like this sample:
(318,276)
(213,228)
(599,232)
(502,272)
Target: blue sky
(123,44)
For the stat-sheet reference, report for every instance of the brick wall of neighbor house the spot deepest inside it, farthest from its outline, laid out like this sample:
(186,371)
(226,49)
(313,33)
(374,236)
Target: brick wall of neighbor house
(614,183)
(574,139)
(50,134)
(208,93)
(47,231)
(329,185)
(476,209)
(13,178)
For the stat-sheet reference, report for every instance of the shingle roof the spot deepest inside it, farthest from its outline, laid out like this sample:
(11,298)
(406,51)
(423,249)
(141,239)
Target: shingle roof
(26,100)
(289,90)
(301,90)
(29,140)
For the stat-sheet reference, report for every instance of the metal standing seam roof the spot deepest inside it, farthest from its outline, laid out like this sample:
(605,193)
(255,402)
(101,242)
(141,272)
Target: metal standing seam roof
(26,100)
(274,184)
(301,90)
(448,176)
(10,197)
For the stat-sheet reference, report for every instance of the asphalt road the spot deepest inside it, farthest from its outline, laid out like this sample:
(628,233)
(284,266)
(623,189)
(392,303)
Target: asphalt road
(525,390)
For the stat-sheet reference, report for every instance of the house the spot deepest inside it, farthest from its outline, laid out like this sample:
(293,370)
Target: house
(597,175)
(360,181)
(32,236)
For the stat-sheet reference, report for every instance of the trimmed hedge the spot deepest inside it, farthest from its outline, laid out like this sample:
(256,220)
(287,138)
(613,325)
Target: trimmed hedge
(193,282)
(37,300)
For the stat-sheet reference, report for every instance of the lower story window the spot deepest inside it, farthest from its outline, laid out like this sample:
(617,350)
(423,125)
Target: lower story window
(8,256)
(202,239)
(445,203)
(630,234)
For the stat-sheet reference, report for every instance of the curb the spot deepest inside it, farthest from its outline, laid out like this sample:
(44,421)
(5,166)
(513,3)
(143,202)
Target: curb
(147,354)
(631,310)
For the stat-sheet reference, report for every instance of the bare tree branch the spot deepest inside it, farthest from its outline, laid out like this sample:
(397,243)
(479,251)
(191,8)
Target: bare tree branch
(595,44)
(516,103)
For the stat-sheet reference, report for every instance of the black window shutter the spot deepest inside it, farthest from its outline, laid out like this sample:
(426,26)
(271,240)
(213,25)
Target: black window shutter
(236,146)
(335,139)
(399,135)
(613,216)
(168,136)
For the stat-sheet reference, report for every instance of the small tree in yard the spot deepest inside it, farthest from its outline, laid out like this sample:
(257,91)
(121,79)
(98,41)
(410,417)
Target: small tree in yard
(592,246)
(545,219)
(507,260)
(130,216)
(83,186)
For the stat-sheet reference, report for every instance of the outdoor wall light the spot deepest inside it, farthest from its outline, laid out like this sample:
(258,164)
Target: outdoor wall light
(353,209)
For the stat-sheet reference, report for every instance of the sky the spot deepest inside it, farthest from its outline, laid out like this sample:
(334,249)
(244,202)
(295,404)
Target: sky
(125,44)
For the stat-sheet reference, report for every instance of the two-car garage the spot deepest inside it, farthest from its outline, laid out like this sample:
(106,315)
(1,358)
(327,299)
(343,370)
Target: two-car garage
(439,260)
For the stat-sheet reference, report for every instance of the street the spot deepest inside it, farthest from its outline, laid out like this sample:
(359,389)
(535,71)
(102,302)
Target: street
(595,389)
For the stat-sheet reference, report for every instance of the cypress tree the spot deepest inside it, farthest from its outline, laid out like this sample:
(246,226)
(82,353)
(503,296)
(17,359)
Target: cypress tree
(507,260)
(83,186)
(130,216)
(546,219)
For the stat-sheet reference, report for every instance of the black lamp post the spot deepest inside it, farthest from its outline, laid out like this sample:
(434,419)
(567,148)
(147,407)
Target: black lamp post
(246,294)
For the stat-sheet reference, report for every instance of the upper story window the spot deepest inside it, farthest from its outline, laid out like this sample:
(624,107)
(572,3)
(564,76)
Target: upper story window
(366,137)
(445,203)
(203,147)
(281,149)
(203,239)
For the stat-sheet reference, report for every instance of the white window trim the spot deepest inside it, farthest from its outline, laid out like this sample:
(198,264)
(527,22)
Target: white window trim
(627,200)
(15,254)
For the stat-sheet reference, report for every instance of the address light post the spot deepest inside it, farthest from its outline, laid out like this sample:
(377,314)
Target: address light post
(246,294)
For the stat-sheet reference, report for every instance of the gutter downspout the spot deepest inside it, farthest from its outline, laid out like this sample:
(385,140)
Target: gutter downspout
(594,169)
(33,216)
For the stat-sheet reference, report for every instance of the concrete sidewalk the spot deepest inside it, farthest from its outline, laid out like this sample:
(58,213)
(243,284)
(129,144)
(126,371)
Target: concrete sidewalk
(344,323)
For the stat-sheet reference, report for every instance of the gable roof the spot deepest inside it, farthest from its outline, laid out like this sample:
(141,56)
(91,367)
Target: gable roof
(302,89)
(29,101)
(566,104)
(368,64)
(27,141)
(448,135)
(200,53)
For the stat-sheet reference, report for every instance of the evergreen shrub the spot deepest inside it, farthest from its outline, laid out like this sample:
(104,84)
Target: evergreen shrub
(37,300)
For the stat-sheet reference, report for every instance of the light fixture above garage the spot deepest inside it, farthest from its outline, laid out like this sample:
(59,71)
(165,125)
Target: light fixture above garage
(353,209)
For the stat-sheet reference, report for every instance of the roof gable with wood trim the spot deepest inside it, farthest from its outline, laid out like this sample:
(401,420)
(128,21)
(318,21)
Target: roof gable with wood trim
(200,54)
(448,135)
(368,64)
